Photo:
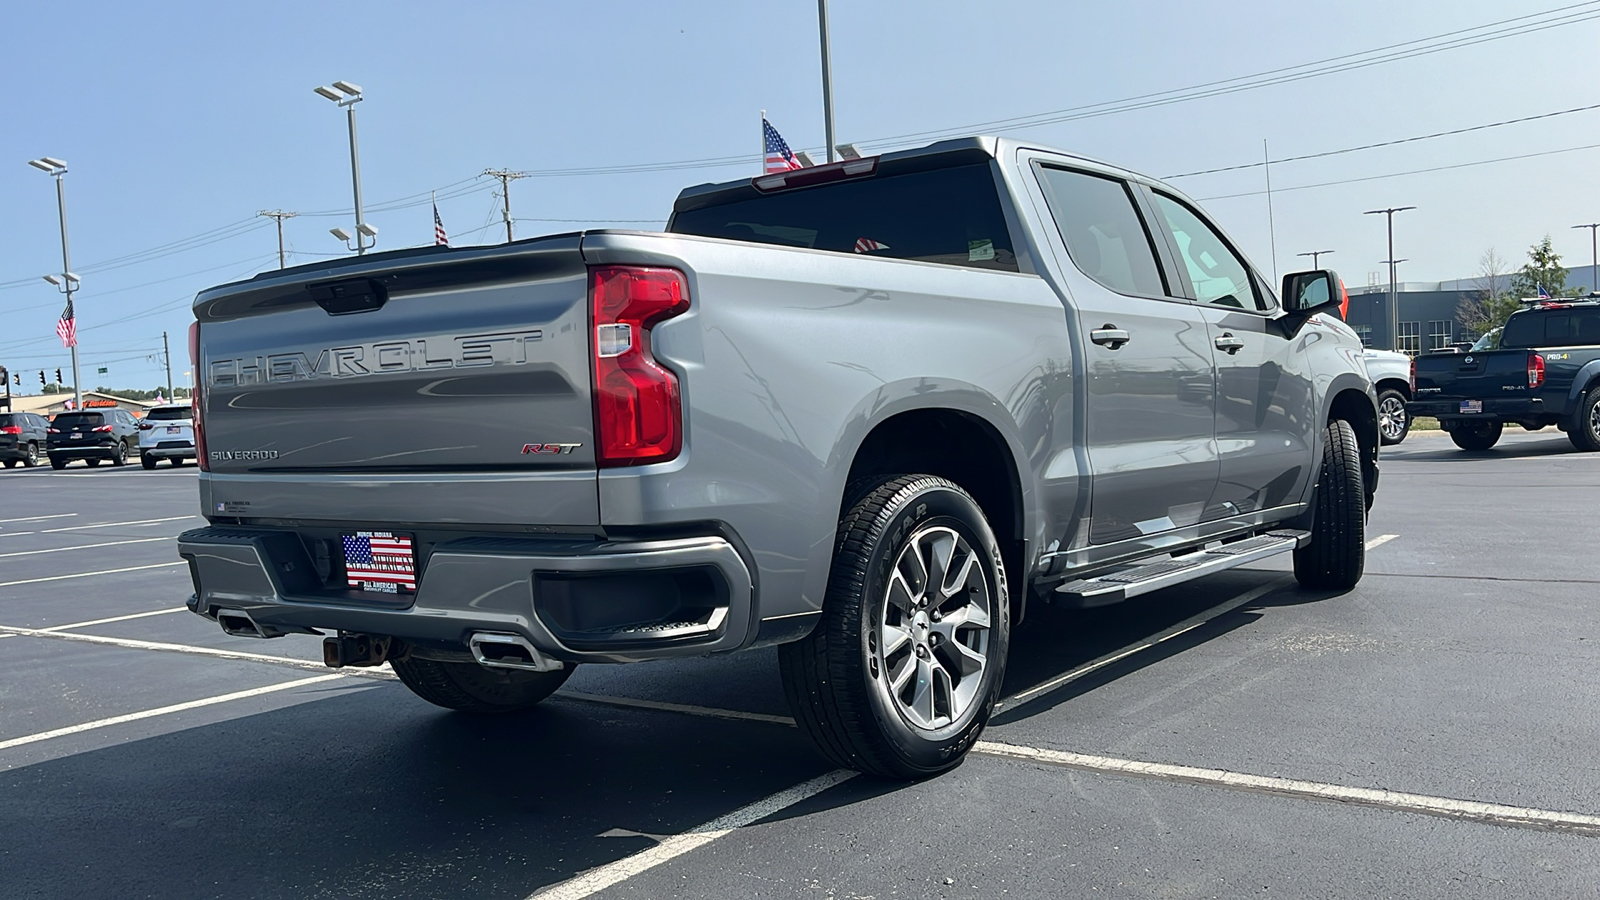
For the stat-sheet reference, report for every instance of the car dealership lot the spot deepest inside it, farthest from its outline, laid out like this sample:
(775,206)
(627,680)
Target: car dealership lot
(145,753)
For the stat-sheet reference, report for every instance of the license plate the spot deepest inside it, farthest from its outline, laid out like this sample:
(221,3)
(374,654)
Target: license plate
(379,561)
(173,429)
(78,437)
(1472,406)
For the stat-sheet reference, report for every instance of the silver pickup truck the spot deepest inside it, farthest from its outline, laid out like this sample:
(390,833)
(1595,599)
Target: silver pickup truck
(866,411)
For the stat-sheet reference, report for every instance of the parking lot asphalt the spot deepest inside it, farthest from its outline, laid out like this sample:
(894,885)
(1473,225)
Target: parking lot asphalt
(1429,734)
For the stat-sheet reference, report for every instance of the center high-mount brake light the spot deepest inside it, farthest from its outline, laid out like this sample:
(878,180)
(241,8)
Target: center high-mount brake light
(638,416)
(1535,370)
(798,178)
(197,399)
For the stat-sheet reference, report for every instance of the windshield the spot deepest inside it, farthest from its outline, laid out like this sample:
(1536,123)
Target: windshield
(1489,341)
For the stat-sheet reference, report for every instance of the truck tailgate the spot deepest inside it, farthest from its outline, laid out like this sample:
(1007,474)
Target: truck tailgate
(1486,374)
(426,387)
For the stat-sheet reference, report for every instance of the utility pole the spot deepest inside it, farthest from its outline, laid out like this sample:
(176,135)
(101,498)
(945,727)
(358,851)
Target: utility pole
(827,77)
(166,354)
(506,176)
(1315,255)
(280,215)
(1594,257)
(68,281)
(1394,295)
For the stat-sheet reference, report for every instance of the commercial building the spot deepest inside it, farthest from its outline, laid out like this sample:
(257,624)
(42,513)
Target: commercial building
(1429,311)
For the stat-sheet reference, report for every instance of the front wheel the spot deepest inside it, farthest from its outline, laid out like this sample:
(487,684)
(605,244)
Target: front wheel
(1476,435)
(470,687)
(1394,423)
(1337,553)
(1584,432)
(900,676)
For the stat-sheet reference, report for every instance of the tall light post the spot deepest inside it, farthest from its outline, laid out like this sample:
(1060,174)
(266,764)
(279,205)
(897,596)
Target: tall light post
(1594,257)
(1315,256)
(347,95)
(67,282)
(1394,295)
(827,77)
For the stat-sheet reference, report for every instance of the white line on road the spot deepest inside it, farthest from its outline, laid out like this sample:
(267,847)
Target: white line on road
(598,879)
(190,649)
(86,546)
(143,615)
(1380,540)
(92,574)
(1470,810)
(39,518)
(162,711)
(115,524)
(705,711)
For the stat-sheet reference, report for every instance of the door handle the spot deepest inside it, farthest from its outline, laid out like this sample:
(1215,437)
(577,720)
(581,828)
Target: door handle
(1109,335)
(1226,341)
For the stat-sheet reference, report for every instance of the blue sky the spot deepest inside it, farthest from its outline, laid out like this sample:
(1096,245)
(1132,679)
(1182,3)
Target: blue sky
(184,119)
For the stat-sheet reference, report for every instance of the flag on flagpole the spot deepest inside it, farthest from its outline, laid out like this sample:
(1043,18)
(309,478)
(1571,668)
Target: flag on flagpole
(779,157)
(67,326)
(1543,294)
(439,237)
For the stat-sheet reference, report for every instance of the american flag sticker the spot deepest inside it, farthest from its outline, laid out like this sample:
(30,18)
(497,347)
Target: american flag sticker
(379,561)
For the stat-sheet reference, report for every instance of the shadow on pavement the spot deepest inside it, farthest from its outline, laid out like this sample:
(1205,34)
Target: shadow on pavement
(1547,442)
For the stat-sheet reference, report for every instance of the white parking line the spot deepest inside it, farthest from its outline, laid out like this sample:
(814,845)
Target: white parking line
(116,524)
(143,615)
(86,546)
(39,518)
(92,574)
(598,879)
(1380,540)
(190,649)
(162,711)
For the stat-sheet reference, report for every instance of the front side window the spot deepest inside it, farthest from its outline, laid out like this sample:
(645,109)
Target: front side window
(1102,230)
(1219,276)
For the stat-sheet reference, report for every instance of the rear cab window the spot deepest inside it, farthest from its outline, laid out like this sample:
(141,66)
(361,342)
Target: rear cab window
(950,216)
(1552,328)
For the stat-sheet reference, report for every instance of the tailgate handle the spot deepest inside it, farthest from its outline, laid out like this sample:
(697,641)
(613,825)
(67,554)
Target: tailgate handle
(352,295)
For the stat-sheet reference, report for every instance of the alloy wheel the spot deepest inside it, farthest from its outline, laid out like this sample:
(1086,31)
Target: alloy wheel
(1392,418)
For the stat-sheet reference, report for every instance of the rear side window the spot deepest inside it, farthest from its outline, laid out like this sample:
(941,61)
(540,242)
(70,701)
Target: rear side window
(73,420)
(950,216)
(1556,328)
(1103,232)
(168,413)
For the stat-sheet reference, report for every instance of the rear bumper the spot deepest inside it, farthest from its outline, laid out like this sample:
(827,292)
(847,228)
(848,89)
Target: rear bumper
(1511,409)
(169,450)
(580,601)
(102,449)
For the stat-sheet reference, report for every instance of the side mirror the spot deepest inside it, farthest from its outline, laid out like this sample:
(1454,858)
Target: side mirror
(1307,292)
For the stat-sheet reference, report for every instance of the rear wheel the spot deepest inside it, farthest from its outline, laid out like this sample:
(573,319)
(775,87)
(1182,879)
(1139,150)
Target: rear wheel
(1585,430)
(119,456)
(32,458)
(469,687)
(91,462)
(1393,420)
(1337,553)
(902,673)
(146,460)
(1476,435)
(56,463)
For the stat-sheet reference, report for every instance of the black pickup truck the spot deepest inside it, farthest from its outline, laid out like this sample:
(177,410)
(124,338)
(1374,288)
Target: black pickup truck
(1542,368)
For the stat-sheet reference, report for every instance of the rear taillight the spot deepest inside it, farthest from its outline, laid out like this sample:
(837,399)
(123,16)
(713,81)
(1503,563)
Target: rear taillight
(1535,370)
(637,413)
(145,426)
(1413,376)
(197,399)
(52,431)
(10,429)
(102,428)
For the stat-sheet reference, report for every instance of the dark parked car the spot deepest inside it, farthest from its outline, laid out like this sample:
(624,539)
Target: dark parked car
(22,438)
(92,435)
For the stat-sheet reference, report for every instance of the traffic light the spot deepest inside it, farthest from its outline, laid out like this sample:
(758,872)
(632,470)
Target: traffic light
(58,376)
(42,382)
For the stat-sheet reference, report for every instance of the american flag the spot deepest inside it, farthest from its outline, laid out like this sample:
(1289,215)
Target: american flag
(867,245)
(439,238)
(779,157)
(379,561)
(67,326)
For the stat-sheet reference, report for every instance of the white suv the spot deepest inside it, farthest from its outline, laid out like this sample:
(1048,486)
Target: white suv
(166,432)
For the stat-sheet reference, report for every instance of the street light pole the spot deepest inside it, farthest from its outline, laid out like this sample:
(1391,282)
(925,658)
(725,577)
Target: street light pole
(1394,294)
(347,95)
(827,77)
(1594,257)
(58,170)
(1315,255)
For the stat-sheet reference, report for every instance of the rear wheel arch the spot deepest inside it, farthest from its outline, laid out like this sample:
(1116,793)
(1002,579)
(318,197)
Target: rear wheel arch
(1394,384)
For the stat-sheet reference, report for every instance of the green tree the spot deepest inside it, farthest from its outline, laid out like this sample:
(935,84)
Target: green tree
(1542,270)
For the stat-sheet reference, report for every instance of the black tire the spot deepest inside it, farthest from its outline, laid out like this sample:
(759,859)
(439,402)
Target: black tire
(119,457)
(32,457)
(1337,553)
(91,462)
(57,463)
(149,462)
(469,687)
(1584,431)
(1394,423)
(1476,435)
(838,679)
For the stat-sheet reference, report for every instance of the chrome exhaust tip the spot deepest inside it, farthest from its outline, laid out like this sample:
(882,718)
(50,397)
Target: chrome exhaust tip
(238,623)
(509,651)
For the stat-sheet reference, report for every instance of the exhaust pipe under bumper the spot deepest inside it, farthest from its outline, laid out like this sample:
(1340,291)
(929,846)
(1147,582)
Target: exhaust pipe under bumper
(239,623)
(509,651)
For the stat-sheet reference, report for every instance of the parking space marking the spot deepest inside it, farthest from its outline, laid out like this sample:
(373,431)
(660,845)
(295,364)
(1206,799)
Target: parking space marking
(1469,810)
(86,546)
(162,711)
(1167,634)
(1380,540)
(138,522)
(143,615)
(190,649)
(704,711)
(598,879)
(38,518)
(92,574)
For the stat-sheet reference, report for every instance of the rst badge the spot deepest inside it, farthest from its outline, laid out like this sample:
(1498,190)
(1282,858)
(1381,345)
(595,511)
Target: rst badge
(549,448)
